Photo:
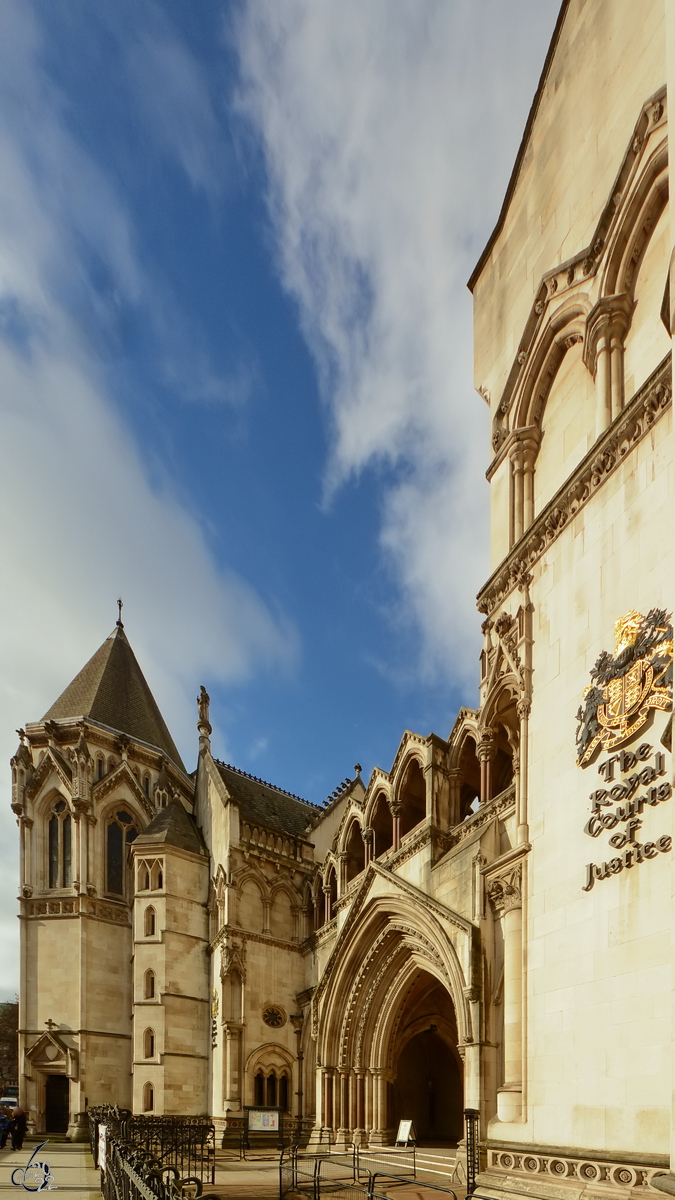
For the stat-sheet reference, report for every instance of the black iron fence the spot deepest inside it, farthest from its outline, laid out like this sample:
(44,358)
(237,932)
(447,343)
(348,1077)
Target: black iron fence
(151,1158)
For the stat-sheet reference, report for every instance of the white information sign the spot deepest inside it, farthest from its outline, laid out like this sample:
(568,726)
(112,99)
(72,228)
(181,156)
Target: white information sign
(260,1121)
(101,1147)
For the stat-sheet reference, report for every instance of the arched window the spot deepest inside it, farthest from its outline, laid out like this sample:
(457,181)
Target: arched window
(469,792)
(148,1098)
(331,890)
(259,1088)
(60,874)
(149,985)
(149,921)
(157,877)
(283,1092)
(149,1043)
(356,852)
(382,826)
(413,797)
(99,768)
(120,833)
(271,1089)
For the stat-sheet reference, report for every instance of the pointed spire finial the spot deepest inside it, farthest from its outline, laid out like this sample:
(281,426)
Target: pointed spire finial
(119,619)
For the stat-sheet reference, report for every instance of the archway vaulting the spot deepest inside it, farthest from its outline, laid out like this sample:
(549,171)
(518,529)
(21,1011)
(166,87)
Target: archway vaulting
(394,932)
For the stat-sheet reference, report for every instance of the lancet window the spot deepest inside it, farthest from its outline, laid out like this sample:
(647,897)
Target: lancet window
(59,829)
(271,1088)
(148,1098)
(121,832)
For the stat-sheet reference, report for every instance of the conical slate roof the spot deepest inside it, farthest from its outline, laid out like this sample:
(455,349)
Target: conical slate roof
(173,826)
(112,690)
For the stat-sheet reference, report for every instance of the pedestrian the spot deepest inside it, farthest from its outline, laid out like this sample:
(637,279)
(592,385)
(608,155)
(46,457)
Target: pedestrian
(4,1128)
(18,1128)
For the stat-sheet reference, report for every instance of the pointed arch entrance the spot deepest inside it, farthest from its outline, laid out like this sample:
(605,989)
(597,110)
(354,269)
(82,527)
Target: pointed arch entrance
(393,1023)
(428,1085)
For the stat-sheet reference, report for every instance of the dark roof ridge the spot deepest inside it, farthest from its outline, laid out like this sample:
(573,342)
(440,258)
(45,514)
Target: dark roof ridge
(275,787)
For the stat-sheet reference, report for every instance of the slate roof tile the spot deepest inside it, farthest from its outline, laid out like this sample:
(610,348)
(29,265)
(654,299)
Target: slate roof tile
(112,689)
(267,804)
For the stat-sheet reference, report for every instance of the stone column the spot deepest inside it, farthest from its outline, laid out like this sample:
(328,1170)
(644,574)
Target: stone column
(360,1107)
(368,1096)
(517,466)
(603,382)
(523,710)
(379,1132)
(297,1020)
(530,448)
(455,785)
(506,898)
(232,1035)
(342,1104)
(606,328)
(486,753)
(368,835)
(327,1099)
(396,806)
(326,903)
(353,1101)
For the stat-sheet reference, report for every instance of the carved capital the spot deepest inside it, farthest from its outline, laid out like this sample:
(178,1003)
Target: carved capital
(506,893)
(610,318)
(486,748)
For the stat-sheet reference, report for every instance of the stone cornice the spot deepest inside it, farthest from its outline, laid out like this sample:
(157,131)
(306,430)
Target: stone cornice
(626,431)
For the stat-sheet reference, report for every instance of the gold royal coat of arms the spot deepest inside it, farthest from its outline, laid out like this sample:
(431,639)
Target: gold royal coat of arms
(627,685)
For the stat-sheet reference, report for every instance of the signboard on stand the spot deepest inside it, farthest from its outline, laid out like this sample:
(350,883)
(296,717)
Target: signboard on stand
(406,1135)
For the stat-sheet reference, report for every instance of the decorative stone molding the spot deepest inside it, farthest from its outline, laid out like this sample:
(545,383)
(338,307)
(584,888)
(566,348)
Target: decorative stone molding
(626,431)
(506,892)
(610,317)
(586,1170)
(580,269)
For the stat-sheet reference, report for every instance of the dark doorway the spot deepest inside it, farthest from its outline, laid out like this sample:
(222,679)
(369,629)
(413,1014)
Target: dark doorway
(429,1088)
(57,1097)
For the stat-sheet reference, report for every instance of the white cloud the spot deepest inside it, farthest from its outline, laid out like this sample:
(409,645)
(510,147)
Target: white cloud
(81,522)
(388,131)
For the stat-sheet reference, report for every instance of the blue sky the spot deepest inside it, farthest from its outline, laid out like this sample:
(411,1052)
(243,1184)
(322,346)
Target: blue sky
(235,360)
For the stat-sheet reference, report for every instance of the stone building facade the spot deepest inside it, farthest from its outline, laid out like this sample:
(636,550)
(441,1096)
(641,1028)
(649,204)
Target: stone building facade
(487,923)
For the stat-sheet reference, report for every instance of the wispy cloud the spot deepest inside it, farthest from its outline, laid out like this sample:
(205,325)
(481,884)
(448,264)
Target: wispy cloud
(81,522)
(388,130)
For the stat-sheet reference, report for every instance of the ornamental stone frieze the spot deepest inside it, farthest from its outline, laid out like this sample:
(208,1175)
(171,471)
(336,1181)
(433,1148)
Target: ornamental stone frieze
(620,1177)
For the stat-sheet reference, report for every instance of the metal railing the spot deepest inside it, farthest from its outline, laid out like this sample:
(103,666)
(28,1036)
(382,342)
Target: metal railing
(350,1176)
(130,1173)
(165,1149)
(471,1118)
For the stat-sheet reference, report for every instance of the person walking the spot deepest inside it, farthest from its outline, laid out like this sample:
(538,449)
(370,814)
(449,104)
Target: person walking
(18,1128)
(4,1128)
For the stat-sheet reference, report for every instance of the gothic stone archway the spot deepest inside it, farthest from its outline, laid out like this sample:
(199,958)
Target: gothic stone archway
(399,968)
